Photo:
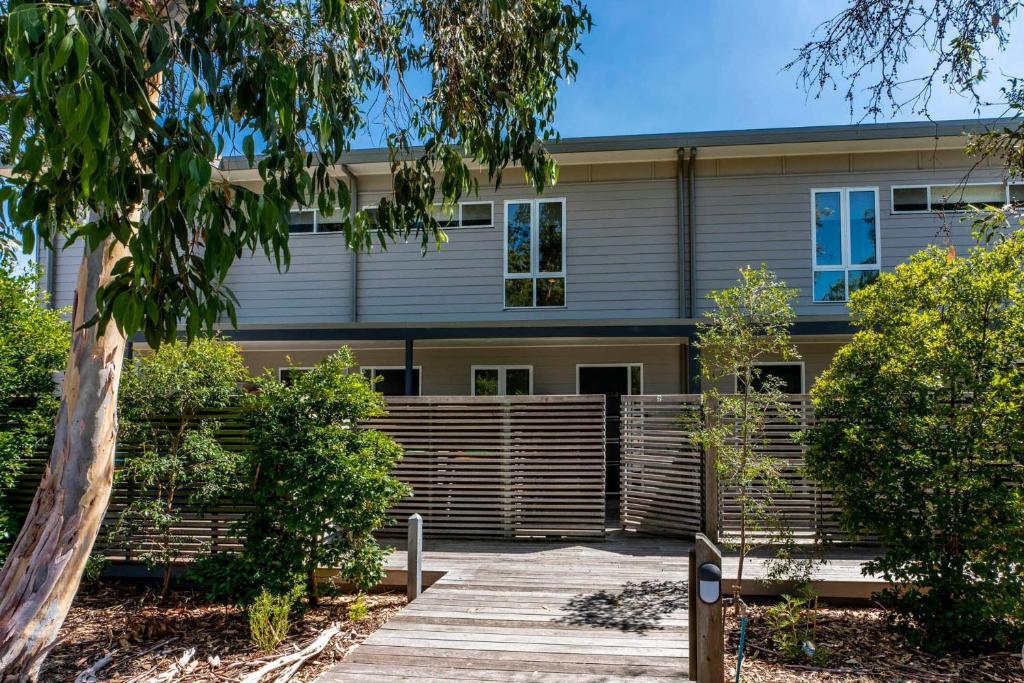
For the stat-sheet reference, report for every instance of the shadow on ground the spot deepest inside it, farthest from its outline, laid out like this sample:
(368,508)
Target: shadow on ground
(638,608)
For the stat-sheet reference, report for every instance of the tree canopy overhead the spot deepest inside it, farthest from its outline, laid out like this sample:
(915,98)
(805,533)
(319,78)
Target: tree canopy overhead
(121,111)
(889,56)
(117,113)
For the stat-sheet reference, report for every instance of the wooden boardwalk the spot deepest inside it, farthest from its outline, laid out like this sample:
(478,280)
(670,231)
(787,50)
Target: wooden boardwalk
(516,611)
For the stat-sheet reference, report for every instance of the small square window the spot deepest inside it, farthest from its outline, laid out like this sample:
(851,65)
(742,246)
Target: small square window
(476,214)
(909,199)
(830,285)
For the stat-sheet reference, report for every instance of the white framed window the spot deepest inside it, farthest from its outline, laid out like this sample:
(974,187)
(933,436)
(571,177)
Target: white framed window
(953,197)
(287,374)
(845,241)
(390,379)
(474,214)
(628,376)
(534,253)
(501,380)
(790,375)
(310,220)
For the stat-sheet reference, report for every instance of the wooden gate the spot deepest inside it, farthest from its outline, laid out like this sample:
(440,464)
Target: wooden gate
(502,466)
(662,469)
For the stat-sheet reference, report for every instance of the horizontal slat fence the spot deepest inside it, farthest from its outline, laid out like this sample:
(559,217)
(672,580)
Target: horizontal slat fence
(488,467)
(662,475)
(804,507)
(509,467)
(196,530)
(662,472)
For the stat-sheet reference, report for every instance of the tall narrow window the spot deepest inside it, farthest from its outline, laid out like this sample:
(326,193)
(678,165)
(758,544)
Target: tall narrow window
(845,238)
(502,380)
(534,253)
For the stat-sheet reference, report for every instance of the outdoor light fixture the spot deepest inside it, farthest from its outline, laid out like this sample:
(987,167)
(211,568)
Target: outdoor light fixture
(709,582)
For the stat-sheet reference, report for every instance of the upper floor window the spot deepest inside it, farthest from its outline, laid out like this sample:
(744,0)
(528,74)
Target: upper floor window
(311,220)
(502,380)
(534,253)
(924,198)
(845,240)
(464,215)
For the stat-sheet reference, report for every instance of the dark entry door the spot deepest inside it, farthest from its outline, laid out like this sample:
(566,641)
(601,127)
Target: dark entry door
(614,382)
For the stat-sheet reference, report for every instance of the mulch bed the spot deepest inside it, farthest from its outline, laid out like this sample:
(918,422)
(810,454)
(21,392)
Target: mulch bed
(146,635)
(862,648)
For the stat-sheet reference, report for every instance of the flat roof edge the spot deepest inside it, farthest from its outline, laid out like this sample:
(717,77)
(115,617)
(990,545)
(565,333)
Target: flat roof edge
(724,138)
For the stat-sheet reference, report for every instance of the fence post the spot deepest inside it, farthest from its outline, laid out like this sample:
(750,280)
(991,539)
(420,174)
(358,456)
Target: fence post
(710,479)
(414,558)
(706,617)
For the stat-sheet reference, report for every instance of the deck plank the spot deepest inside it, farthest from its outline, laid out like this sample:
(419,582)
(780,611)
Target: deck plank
(546,611)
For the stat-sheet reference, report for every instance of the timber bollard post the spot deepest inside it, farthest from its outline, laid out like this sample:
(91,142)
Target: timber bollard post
(414,558)
(707,622)
(691,596)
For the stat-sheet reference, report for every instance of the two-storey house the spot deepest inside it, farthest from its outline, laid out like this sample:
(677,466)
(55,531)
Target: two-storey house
(596,285)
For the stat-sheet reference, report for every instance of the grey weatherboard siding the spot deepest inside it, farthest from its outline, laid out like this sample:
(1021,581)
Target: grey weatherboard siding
(621,261)
(752,219)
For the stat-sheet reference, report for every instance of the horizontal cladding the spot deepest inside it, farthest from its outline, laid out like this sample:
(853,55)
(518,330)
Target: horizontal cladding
(316,287)
(753,219)
(621,261)
(69,259)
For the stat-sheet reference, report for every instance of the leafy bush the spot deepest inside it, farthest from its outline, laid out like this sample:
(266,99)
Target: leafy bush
(793,623)
(268,619)
(34,344)
(921,436)
(322,483)
(163,398)
(358,610)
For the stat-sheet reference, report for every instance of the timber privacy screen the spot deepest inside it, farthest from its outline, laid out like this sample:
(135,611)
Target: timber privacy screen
(664,473)
(483,467)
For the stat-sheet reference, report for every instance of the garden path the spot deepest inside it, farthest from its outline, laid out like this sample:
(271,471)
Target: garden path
(546,611)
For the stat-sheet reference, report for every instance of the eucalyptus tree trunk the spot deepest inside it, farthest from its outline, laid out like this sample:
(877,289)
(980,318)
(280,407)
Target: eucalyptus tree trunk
(42,574)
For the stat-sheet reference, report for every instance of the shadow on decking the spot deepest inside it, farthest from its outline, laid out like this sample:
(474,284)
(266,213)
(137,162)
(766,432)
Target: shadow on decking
(637,608)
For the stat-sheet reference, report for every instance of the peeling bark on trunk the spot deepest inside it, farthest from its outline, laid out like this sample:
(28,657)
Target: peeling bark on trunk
(41,576)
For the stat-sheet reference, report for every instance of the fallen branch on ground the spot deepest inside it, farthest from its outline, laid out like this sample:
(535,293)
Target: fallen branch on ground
(89,675)
(295,660)
(179,666)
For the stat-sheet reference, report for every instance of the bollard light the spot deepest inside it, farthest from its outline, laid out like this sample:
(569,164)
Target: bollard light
(709,583)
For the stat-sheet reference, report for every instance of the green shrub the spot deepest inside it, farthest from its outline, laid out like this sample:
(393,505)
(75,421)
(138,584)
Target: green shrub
(268,619)
(322,483)
(920,434)
(792,624)
(358,610)
(94,568)
(178,459)
(34,344)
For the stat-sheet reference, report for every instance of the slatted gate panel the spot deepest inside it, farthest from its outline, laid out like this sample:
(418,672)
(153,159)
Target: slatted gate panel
(662,478)
(510,467)
(797,506)
(661,466)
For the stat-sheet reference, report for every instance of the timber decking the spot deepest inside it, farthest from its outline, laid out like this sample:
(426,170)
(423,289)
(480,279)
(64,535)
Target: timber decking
(530,611)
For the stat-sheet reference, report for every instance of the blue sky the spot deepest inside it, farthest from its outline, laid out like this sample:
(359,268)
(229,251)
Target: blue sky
(653,66)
